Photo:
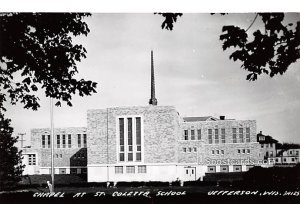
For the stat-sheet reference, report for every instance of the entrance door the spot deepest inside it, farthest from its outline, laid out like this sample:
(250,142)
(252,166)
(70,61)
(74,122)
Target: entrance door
(189,173)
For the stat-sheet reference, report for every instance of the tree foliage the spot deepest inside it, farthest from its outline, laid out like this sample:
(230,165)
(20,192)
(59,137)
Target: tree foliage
(39,50)
(270,51)
(10,158)
(39,47)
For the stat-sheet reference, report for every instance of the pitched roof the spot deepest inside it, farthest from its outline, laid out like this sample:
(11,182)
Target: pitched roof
(196,119)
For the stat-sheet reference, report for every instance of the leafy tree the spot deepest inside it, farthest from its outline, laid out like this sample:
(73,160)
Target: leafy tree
(37,52)
(269,52)
(10,158)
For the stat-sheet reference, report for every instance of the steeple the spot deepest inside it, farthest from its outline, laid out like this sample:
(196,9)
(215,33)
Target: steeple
(153,100)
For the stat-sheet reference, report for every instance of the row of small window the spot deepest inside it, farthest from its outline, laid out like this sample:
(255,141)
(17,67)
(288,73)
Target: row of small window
(61,141)
(243,151)
(225,168)
(266,145)
(217,152)
(189,149)
(131,169)
(218,138)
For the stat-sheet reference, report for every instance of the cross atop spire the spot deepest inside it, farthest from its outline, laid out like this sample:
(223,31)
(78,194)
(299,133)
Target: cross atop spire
(153,100)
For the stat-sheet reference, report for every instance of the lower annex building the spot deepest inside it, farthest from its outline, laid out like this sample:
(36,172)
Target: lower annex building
(145,143)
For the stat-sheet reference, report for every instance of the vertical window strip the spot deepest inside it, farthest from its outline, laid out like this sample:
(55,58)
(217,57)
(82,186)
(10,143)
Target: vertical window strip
(192,134)
(49,141)
(79,140)
(223,135)
(64,141)
(234,135)
(138,139)
(58,141)
(130,139)
(210,136)
(241,135)
(186,135)
(84,140)
(69,141)
(43,141)
(217,136)
(247,134)
(121,136)
(199,134)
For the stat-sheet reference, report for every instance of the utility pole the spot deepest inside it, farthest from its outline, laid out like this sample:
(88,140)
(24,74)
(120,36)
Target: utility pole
(22,138)
(52,145)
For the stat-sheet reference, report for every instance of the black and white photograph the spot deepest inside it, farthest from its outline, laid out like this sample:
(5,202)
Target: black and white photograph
(152,107)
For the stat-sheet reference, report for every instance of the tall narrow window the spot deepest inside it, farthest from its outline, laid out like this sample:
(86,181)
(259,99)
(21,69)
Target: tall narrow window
(138,139)
(64,141)
(84,140)
(79,140)
(43,141)
(199,134)
(186,134)
(209,136)
(241,135)
(58,141)
(234,135)
(130,149)
(69,141)
(217,136)
(223,135)
(122,150)
(192,134)
(247,134)
(48,141)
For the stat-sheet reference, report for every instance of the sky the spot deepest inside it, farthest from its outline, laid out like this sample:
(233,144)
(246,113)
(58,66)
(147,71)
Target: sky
(192,73)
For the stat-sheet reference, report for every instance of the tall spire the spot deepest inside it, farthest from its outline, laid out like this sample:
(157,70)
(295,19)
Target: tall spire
(153,100)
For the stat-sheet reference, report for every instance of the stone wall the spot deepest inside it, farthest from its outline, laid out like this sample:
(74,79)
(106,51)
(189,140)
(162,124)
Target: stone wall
(160,130)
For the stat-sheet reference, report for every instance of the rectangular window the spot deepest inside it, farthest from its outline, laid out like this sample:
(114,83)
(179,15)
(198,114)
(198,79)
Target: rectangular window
(184,149)
(130,169)
(195,149)
(79,140)
(58,141)
(129,142)
(209,136)
(64,141)
(262,146)
(31,159)
(122,149)
(192,134)
(73,170)
(248,151)
(190,149)
(138,156)
(119,169)
(43,141)
(222,151)
(142,169)
(49,141)
(216,136)
(199,134)
(217,151)
(234,135)
(247,134)
(212,151)
(223,135)
(241,135)
(186,135)
(84,140)
(69,141)
(239,151)
(271,145)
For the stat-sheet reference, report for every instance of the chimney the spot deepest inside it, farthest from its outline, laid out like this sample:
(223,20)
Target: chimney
(222,117)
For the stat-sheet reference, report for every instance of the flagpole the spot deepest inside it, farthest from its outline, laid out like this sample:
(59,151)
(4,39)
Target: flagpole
(52,145)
